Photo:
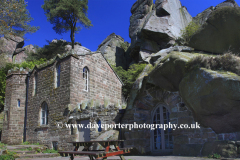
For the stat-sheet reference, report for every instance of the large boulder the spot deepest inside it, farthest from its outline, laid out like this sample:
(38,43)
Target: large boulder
(223,148)
(171,69)
(9,44)
(155,27)
(214,98)
(219,32)
(114,49)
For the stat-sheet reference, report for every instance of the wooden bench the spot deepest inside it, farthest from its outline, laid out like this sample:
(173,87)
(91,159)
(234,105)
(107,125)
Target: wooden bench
(95,153)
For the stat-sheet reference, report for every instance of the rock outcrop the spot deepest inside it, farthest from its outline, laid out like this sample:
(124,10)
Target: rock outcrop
(11,45)
(155,26)
(214,98)
(114,49)
(219,32)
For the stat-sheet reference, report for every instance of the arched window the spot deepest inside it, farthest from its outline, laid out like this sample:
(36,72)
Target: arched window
(162,139)
(35,84)
(18,102)
(58,71)
(44,114)
(85,78)
(99,126)
(72,131)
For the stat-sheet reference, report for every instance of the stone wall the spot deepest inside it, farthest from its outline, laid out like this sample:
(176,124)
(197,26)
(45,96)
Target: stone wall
(104,87)
(57,100)
(103,82)
(13,123)
(186,142)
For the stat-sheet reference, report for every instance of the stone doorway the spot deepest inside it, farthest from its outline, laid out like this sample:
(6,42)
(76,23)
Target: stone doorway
(162,140)
(84,133)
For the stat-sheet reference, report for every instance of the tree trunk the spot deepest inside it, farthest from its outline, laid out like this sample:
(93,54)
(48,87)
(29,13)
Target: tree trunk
(72,37)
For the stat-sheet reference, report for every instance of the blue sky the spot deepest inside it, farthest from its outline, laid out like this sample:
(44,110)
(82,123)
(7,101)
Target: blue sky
(107,16)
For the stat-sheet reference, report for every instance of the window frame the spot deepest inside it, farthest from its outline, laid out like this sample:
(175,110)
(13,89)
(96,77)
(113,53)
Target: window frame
(57,75)
(44,109)
(35,84)
(18,103)
(86,78)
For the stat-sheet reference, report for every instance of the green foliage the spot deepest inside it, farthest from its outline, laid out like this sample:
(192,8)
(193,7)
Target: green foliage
(29,149)
(129,77)
(47,51)
(3,74)
(8,156)
(66,14)
(124,45)
(226,62)
(50,151)
(3,60)
(216,156)
(190,30)
(2,146)
(15,18)
(38,150)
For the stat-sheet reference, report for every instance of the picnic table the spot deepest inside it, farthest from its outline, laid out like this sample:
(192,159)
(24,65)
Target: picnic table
(97,153)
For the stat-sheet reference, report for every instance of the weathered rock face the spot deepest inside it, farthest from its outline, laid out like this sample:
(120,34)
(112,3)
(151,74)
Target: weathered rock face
(30,48)
(114,49)
(79,50)
(154,27)
(208,97)
(171,70)
(214,98)
(224,148)
(220,31)
(10,45)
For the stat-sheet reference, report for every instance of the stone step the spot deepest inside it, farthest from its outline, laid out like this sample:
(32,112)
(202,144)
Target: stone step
(19,147)
(24,152)
(39,155)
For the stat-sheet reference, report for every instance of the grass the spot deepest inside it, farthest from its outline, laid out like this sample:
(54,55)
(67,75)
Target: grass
(2,146)
(28,143)
(50,151)
(227,62)
(8,156)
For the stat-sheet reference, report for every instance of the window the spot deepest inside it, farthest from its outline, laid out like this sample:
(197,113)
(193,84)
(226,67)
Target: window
(6,116)
(35,84)
(162,139)
(58,71)
(44,114)
(72,132)
(85,78)
(99,126)
(55,145)
(18,102)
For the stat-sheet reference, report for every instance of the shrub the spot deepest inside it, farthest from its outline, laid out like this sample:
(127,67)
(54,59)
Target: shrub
(124,45)
(8,156)
(29,149)
(189,31)
(226,62)
(48,51)
(216,156)
(2,145)
(129,77)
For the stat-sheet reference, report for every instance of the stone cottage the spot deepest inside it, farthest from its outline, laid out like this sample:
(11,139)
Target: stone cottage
(70,89)
(83,88)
